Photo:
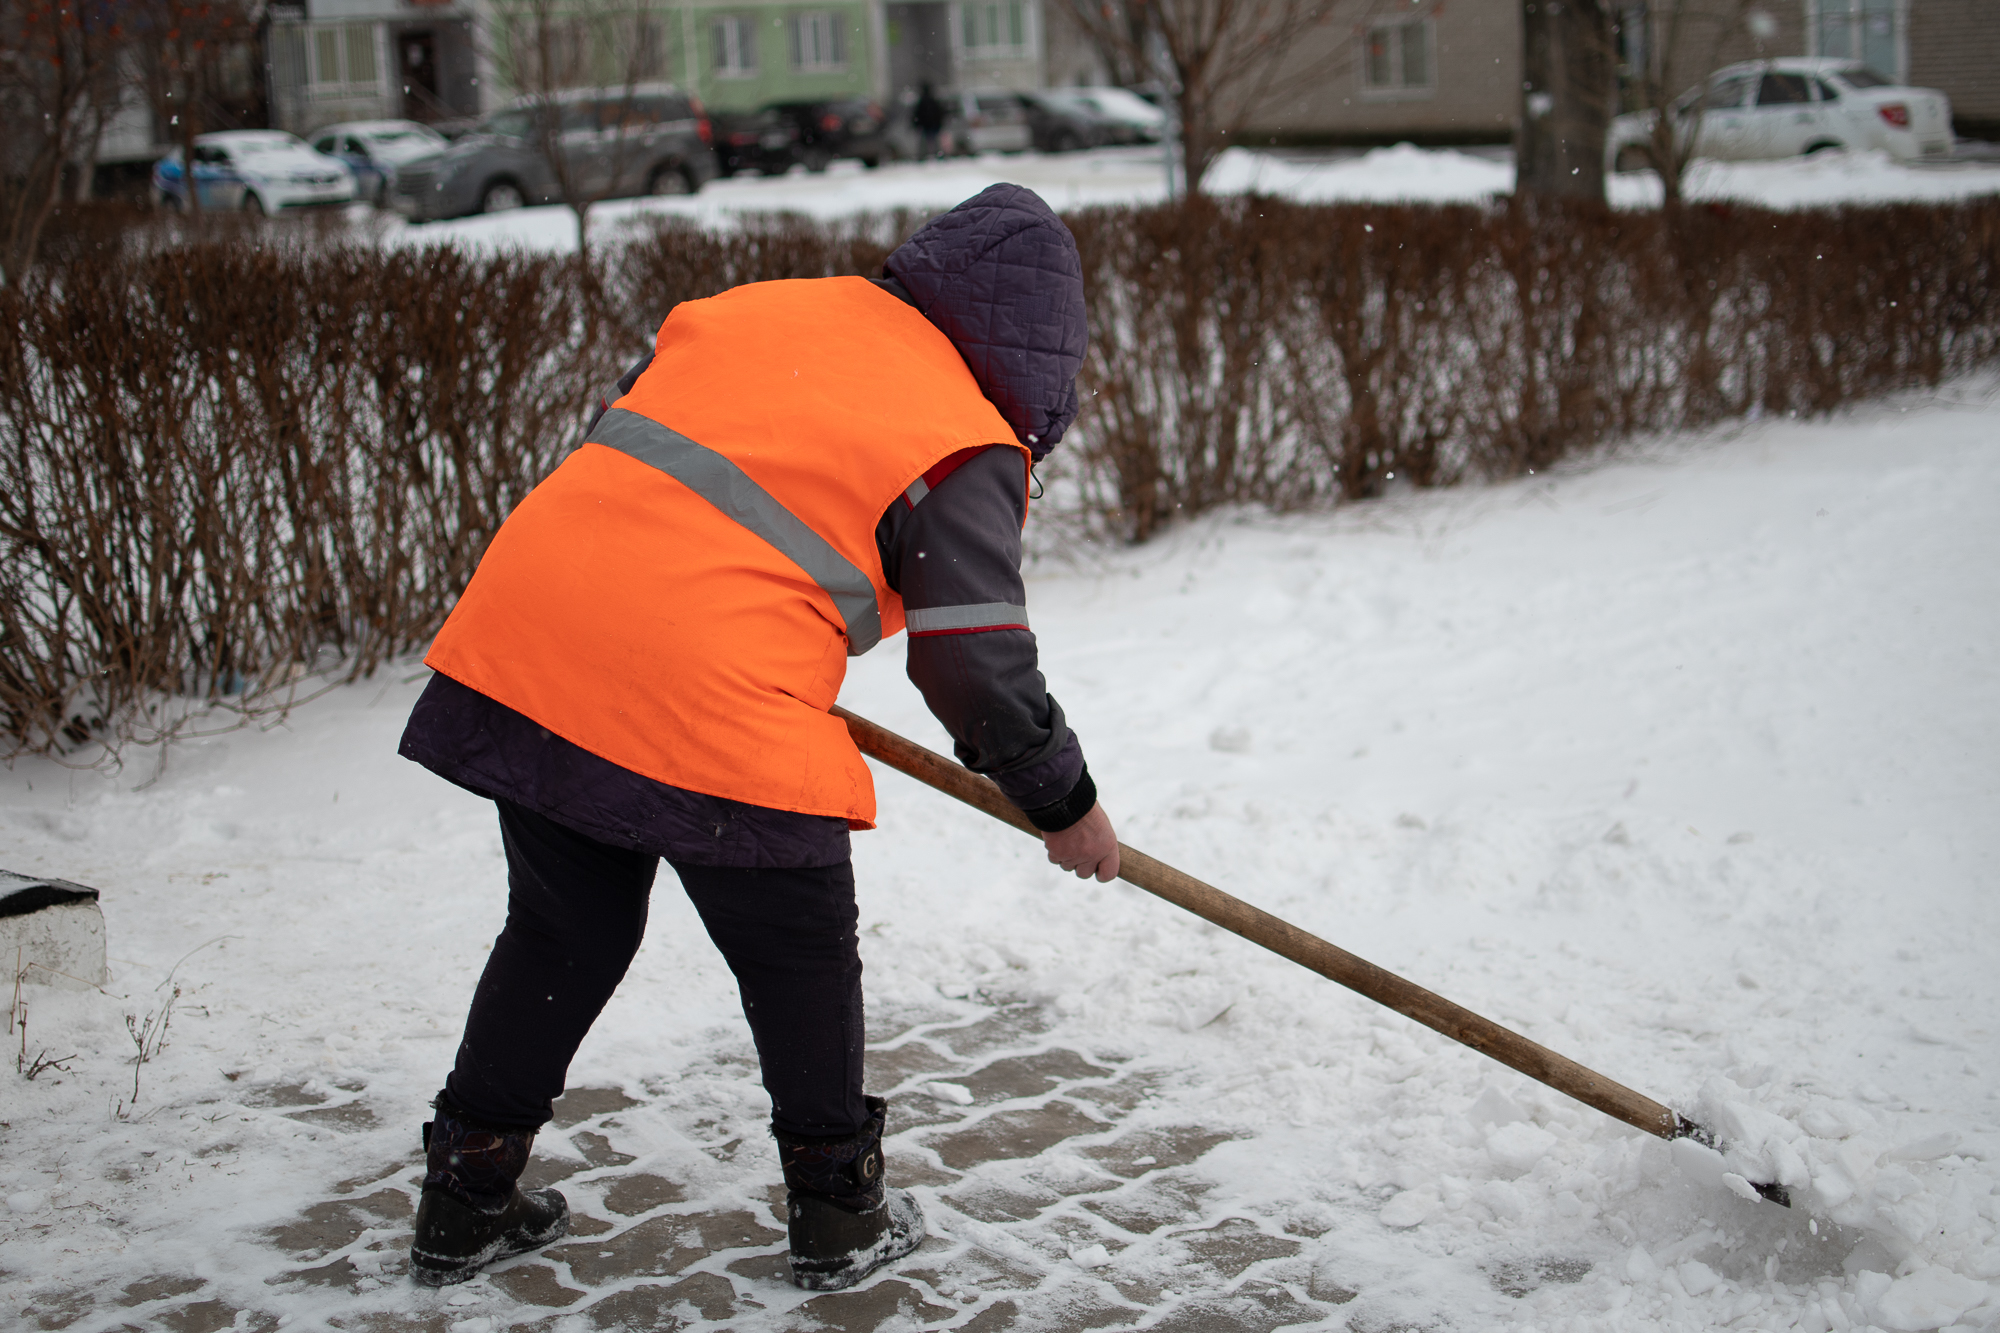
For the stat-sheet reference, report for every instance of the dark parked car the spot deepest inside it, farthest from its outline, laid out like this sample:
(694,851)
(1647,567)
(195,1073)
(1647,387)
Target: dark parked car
(1117,115)
(1060,123)
(761,141)
(853,127)
(651,139)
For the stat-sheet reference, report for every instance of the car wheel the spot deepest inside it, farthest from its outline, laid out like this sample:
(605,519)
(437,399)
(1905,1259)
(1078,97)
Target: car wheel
(871,162)
(501,197)
(818,160)
(1066,142)
(1823,146)
(669,181)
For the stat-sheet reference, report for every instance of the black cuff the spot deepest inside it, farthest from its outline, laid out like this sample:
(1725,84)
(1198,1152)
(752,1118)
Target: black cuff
(1059,815)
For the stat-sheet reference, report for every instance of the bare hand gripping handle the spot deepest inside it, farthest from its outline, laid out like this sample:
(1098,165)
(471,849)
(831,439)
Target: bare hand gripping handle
(1336,964)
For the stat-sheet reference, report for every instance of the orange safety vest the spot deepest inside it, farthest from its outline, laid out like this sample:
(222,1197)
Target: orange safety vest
(681,595)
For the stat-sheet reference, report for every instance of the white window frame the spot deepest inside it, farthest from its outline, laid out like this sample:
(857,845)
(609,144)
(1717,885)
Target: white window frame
(1851,9)
(1398,90)
(338,83)
(992,18)
(819,40)
(733,46)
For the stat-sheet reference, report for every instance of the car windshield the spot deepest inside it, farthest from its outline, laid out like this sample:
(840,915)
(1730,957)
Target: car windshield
(510,124)
(1860,77)
(268,143)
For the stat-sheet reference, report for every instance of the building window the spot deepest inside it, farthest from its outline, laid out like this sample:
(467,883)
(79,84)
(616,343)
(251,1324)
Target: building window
(819,42)
(1871,31)
(1396,59)
(733,39)
(342,60)
(993,27)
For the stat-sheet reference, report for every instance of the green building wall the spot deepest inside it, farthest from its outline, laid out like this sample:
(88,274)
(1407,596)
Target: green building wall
(686,51)
(775,80)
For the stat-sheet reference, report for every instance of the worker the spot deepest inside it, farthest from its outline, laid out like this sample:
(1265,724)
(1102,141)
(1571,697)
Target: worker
(642,665)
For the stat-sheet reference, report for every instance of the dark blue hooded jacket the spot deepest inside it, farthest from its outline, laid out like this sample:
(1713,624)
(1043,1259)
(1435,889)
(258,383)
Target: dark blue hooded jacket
(999,275)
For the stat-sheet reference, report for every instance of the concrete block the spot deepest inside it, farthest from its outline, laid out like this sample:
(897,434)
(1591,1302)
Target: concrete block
(51,932)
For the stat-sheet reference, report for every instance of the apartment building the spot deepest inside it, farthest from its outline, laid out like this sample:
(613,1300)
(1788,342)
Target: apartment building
(1428,71)
(431,60)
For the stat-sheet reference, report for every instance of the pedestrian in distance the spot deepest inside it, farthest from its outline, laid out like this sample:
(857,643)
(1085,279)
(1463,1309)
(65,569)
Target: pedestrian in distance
(642,665)
(928,117)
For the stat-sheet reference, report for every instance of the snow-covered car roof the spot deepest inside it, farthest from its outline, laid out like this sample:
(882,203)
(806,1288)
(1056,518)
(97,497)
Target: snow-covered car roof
(368,129)
(1835,65)
(608,90)
(253,141)
(1119,104)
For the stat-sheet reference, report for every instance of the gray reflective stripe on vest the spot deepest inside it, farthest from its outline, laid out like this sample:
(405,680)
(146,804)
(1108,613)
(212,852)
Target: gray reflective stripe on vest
(729,488)
(981,615)
(916,491)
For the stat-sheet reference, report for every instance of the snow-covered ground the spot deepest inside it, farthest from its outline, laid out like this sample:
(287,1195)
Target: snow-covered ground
(1136,176)
(1681,762)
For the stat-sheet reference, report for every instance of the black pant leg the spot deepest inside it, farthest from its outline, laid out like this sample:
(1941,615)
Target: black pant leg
(790,938)
(576,911)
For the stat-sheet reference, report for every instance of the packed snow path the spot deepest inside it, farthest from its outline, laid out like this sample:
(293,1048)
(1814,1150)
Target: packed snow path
(1682,763)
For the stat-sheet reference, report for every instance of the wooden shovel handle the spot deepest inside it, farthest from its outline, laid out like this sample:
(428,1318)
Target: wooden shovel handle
(1260,927)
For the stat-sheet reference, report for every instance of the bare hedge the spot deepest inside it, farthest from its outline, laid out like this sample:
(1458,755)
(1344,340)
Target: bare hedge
(1288,354)
(227,468)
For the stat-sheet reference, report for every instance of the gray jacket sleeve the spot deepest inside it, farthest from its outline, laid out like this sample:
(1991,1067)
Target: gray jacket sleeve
(955,557)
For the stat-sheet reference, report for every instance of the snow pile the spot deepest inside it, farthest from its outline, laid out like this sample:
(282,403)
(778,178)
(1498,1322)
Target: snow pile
(1680,763)
(1824,180)
(1402,174)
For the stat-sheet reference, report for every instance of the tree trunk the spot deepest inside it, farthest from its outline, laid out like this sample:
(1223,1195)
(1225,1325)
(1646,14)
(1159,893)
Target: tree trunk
(1567,91)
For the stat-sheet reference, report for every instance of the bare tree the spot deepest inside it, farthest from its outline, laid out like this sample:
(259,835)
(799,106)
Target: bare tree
(58,79)
(189,45)
(1568,95)
(1225,58)
(1669,45)
(580,67)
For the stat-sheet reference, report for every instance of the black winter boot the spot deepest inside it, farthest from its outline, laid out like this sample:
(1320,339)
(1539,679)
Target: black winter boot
(472,1212)
(844,1222)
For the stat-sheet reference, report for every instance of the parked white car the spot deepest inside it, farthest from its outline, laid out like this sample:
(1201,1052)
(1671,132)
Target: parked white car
(260,171)
(1783,108)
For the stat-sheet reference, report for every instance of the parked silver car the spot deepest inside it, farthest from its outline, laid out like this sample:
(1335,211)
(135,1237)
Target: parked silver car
(373,149)
(988,120)
(651,139)
(1782,108)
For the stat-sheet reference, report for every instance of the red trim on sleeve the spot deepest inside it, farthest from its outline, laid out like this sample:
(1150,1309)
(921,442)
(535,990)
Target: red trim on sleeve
(975,629)
(945,467)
